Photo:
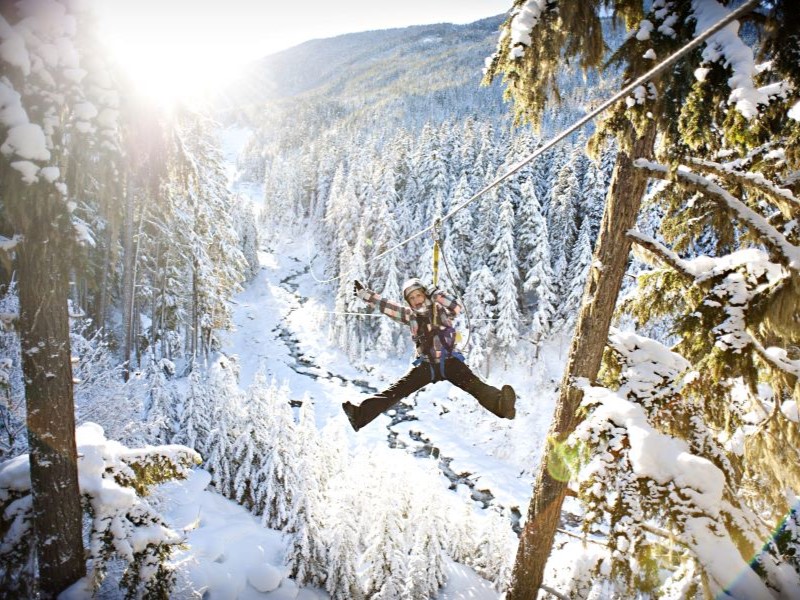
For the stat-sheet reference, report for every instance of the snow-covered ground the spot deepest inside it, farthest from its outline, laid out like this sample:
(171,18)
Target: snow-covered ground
(281,327)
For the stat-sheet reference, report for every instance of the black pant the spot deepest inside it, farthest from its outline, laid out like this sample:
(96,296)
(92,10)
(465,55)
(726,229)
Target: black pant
(455,371)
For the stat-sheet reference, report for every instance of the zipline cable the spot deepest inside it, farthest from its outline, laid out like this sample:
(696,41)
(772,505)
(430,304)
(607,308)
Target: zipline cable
(656,70)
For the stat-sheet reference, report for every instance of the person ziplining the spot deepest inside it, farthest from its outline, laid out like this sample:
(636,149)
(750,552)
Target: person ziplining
(430,314)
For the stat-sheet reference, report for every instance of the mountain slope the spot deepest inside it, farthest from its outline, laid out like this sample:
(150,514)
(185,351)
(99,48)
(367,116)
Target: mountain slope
(388,75)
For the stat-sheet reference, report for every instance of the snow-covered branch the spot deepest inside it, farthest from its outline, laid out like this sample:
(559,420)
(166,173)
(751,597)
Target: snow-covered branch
(788,203)
(553,592)
(776,357)
(692,181)
(661,252)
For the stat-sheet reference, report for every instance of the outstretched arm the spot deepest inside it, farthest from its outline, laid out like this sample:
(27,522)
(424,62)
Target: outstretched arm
(391,309)
(444,299)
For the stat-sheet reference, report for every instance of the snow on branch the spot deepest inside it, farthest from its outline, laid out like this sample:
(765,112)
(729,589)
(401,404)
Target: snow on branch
(7,244)
(113,481)
(786,201)
(661,252)
(728,49)
(687,486)
(703,269)
(523,23)
(778,358)
(693,181)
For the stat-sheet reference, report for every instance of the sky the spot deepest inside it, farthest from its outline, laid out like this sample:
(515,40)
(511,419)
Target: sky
(177,47)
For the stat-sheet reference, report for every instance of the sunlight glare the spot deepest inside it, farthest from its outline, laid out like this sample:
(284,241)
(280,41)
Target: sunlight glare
(172,55)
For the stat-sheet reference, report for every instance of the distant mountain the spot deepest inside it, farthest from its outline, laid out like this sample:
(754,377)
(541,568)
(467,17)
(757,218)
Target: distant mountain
(384,79)
(409,76)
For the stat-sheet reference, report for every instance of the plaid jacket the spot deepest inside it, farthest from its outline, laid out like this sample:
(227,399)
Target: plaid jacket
(422,331)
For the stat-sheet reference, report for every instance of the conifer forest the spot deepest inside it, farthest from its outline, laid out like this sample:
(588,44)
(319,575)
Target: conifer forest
(604,196)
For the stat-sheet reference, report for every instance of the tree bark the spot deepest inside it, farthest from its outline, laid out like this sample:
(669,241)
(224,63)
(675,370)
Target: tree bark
(47,370)
(128,280)
(623,200)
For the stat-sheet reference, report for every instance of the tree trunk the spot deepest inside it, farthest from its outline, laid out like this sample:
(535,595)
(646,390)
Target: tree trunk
(128,280)
(193,349)
(623,200)
(102,297)
(44,335)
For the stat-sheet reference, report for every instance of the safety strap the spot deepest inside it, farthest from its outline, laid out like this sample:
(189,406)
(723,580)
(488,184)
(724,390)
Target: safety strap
(437,230)
(448,351)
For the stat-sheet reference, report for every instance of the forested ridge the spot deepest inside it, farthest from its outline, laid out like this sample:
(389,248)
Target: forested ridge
(662,240)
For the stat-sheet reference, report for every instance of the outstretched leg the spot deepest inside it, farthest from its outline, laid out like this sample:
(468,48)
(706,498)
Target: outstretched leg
(415,379)
(499,402)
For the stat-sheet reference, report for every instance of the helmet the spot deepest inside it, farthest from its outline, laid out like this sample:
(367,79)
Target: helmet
(410,285)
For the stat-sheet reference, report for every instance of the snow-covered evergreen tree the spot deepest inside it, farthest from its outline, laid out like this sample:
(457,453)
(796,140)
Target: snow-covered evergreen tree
(575,277)
(307,552)
(480,299)
(195,424)
(343,540)
(425,568)
(506,331)
(386,553)
(537,282)
(496,550)
(562,223)
(249,238)
(161,410)
(226,422)
(459,236)
(278,472)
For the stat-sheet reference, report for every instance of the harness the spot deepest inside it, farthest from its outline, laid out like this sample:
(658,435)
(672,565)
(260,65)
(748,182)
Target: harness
(428,331)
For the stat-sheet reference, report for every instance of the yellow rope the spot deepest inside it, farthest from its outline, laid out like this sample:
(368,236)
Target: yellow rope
(435,263)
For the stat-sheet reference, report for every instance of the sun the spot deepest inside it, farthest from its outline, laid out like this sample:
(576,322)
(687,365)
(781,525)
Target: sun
(176,53)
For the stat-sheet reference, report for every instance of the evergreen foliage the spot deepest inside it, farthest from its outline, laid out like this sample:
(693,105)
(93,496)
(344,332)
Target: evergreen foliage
(723,284)
(122,525)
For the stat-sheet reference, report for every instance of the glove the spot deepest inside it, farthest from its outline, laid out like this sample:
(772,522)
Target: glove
(357,287)
(431,290)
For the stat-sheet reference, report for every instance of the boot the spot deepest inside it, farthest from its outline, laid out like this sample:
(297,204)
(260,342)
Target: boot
(508,398)
(498,402)
(350,410)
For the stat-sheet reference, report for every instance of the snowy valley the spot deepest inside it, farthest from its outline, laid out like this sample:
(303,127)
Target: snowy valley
(180,323)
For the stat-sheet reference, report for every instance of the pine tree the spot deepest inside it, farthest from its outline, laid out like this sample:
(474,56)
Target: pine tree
(259,403)
(160,412)
(386,557)
(458,240)
(562,223)
(194,424)
(343,539)
(574,30)
(278,470)
(533,241)
(480,299)
(249,238)
(576,274)
(506,275)
(246,460)
(495,548)
(307,554)
(425,573)
(593,194)
(388,237)
(669,106)
(223,390)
